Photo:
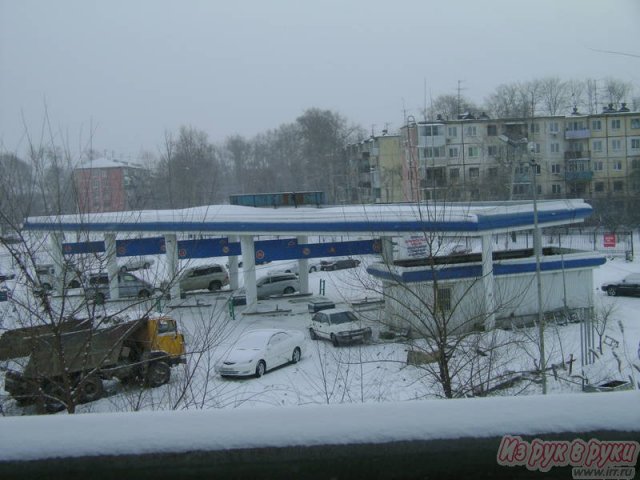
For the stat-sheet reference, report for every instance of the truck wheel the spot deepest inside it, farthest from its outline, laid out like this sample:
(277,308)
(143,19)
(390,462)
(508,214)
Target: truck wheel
(90,389)
(158,373)
(611,291)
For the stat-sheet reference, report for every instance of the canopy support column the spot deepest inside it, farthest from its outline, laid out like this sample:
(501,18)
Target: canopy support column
(171,252)
(112,265)
(249,270)
(234,280)
(303,268)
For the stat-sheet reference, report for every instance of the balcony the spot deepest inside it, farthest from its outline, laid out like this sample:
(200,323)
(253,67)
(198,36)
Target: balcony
(585,176)
(585,154)
(577,134)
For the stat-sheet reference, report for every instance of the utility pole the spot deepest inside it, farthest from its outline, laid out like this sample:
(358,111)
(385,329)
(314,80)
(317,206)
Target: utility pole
(537,248)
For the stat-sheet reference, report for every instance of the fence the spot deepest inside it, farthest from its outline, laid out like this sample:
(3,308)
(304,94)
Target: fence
(609,243)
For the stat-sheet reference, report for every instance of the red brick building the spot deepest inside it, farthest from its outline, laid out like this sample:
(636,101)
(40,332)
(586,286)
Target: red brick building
(104,185)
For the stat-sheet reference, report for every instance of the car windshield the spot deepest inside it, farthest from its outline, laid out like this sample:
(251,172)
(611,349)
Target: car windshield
(251,341)
(343,317)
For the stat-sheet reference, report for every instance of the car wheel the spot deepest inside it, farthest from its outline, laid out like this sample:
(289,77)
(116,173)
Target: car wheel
(334,340)
(123,269)
(289,290)
(611,291)
(158,373)
(90,389)
(297,353)
(261,368)
(313,334)
(215,285)
(313,269)
(144,294)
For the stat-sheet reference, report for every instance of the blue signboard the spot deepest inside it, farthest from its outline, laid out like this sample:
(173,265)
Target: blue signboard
(265,250)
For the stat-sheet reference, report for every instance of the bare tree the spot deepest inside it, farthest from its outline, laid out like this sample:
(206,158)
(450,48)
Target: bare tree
(554,93)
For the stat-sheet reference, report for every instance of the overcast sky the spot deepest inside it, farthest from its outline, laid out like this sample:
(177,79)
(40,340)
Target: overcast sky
(135,69)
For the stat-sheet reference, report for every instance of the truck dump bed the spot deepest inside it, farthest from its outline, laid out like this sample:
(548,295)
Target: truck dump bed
(20,342)
(81,350)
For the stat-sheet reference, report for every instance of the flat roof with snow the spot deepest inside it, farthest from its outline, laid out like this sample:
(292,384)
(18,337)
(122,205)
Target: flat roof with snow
(470,219)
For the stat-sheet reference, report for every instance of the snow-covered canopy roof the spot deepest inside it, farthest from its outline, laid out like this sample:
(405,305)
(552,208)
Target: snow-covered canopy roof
(392,219)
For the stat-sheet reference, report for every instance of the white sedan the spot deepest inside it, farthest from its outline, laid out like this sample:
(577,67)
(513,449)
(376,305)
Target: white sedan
(260,350)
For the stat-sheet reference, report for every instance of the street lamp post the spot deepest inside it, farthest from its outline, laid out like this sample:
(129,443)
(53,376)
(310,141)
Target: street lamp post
(537,247)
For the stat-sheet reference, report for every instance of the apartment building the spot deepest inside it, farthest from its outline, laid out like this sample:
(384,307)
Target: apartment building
(375,170)
(472,158)
(106,185)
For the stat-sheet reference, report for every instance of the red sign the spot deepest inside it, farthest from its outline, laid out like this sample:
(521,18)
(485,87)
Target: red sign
(609,240)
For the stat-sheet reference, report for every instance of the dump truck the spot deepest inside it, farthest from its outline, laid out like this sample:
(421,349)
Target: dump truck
(142,350)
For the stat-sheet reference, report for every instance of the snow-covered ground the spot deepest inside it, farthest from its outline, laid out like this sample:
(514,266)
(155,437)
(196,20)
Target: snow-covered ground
(371,373)
(374,395)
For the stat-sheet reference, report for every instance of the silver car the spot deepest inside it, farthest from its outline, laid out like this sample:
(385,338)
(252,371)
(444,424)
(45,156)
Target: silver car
(128,286)
(277,284)
(212,277)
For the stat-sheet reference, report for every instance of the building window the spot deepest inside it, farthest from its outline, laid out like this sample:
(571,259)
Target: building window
(555,168)
(556,189)
(453,152)
(431,131)
(617,165)
(599,186)
(553,127)
(555,148)
(618,186)
(471,131)
(474,151)
(635,143)
(635,123)
(492,150)
(452,131)
(536,148)
(597,146)
(432,152)
(635,163)
(598,166)
(535,128)
(492,130)
(616,145)
(493,172)
(615,124)
(474,172)
(454,173)
(443,299)
(596,125)
(537,168)
(520,189)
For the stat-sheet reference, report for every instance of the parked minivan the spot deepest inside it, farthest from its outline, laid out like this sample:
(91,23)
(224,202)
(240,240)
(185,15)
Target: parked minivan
(212,277)
(46,274)
(128,286)
(277,284)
